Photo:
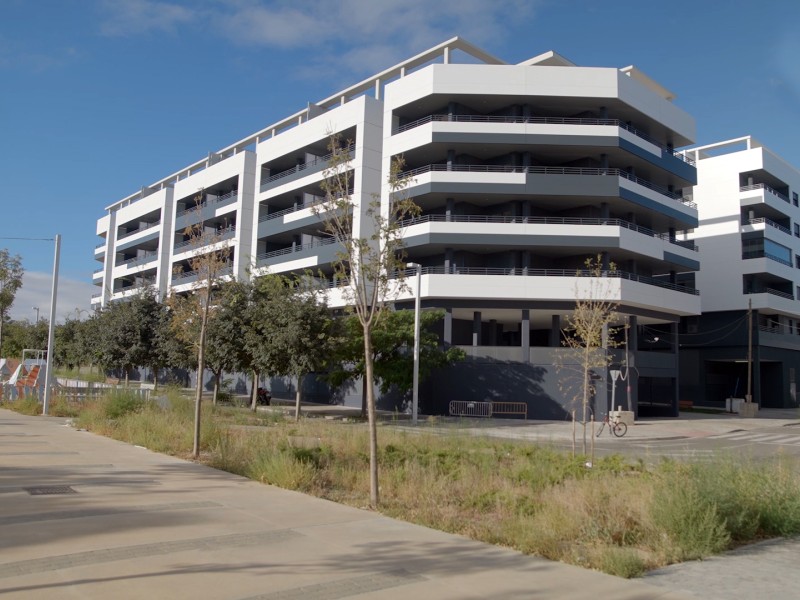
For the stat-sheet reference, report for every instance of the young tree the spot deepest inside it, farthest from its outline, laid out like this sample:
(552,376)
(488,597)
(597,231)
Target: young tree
(370,263)
(225,349)
(209,263)
(393,339)
(11,272)
(299,334)
(588,332)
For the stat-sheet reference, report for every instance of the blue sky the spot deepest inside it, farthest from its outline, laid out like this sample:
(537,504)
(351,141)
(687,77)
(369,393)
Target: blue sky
(101,97)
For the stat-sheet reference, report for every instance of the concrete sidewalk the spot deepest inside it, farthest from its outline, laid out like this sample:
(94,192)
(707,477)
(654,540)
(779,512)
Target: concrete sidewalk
(144,525)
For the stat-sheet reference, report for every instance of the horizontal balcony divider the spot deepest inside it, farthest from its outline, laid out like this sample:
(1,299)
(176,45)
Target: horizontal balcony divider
(544,121)
(529,272)
(549,171)
(230,196)
(766,188)
(135,231)
(294,208)
(546,221)
(319,161)
(297,248)
(771,223)
(220,236)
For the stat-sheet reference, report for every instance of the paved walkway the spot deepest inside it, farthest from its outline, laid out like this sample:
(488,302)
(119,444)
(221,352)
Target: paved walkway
(144,525)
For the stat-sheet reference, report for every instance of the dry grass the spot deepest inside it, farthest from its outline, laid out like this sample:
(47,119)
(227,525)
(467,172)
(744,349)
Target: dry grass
(616,517)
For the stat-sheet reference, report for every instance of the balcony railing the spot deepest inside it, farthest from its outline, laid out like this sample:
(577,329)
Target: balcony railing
(96,271)
(297,248)
(286,211)
(546,221)
(319,161)
(100,245)
(143,228)
(230,196)
(771,223)
(766,188)
(97,295)
(213,238)
(189,276)
(549,171)
(137,260)
(772,291)
(748,254)
(523,272)
(546,121)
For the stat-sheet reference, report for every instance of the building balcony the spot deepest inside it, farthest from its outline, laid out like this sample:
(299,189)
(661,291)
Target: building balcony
(526,226)
(196,244)
(761,223)
(754,254)
(318,252)
(666,150)
(767,189)
(225,200)
(317,165)
(555,181)
(141,228)
(193,276)
(138,261)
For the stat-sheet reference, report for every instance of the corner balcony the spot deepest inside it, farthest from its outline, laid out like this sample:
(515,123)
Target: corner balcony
(549,126)
(767,226)
(207,210)
(553,181)
(765,298)
(764,195)
(145,227)
(554,286)
(618,231)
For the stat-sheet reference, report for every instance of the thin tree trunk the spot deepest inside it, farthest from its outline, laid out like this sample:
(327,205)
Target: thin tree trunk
(155,378)
(127,376)
(217,376)
(297,397)
(2,318)
(364,396)
(201,367)
(254,391)
(374,496)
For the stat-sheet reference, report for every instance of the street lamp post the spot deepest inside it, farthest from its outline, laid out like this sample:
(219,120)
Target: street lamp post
(48,375)
(36,308)
(415,384)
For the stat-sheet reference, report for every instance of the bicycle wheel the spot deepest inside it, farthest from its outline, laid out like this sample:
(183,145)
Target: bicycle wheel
(599,431)
(619,429)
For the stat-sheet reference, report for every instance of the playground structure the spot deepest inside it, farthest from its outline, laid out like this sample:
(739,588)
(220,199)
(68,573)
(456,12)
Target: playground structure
(28,378)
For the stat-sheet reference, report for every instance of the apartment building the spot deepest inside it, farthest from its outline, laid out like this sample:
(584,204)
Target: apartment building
(522,171)
(749,240)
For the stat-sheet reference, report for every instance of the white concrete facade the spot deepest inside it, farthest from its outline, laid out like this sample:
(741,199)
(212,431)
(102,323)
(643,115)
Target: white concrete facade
(749,232)
(521,171)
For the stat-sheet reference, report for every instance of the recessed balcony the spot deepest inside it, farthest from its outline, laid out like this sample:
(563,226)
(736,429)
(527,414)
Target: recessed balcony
(317,165)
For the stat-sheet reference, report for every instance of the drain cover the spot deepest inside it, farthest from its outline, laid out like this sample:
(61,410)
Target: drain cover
(50,490)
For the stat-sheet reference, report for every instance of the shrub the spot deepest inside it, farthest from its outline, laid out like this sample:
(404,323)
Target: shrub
(122,402)
(283,470)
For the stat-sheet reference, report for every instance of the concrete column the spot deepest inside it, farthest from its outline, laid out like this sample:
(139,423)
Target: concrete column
(451,111)
(526,210)
(526,110)
(604,260)
(448,260)
(451,159)
(604,210)
(673,330)
(555,331)
(449,206)
(603,112)
(448,327)
(476,328)
(604,161)
(525,335)
(493,332)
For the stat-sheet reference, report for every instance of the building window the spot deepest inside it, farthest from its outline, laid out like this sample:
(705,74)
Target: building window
(797,230)
(797,260)
(795,199)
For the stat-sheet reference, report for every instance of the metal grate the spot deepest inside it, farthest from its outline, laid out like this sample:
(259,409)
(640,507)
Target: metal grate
(50,490)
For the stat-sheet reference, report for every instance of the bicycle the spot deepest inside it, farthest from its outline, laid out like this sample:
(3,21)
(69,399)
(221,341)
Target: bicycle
(615,426)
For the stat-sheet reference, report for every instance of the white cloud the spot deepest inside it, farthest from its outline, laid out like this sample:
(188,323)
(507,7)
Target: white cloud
(35,291)
(134,17)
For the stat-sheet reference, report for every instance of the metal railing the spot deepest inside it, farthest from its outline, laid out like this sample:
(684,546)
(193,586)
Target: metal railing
(146,257)
(180,277)
(319,160)
(206,203)
(297,248)
(766,188)
(546,221)
(772,291)
(771,223)
(220,236)
(100,245)
(549,171)
(529,272)
(545,121)
(145,228)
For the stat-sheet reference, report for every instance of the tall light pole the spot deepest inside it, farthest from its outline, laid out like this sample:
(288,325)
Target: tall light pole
(36,308)
(48,375)
(415,384)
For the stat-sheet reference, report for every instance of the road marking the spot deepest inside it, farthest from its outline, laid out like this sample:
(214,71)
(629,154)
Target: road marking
(781,439)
